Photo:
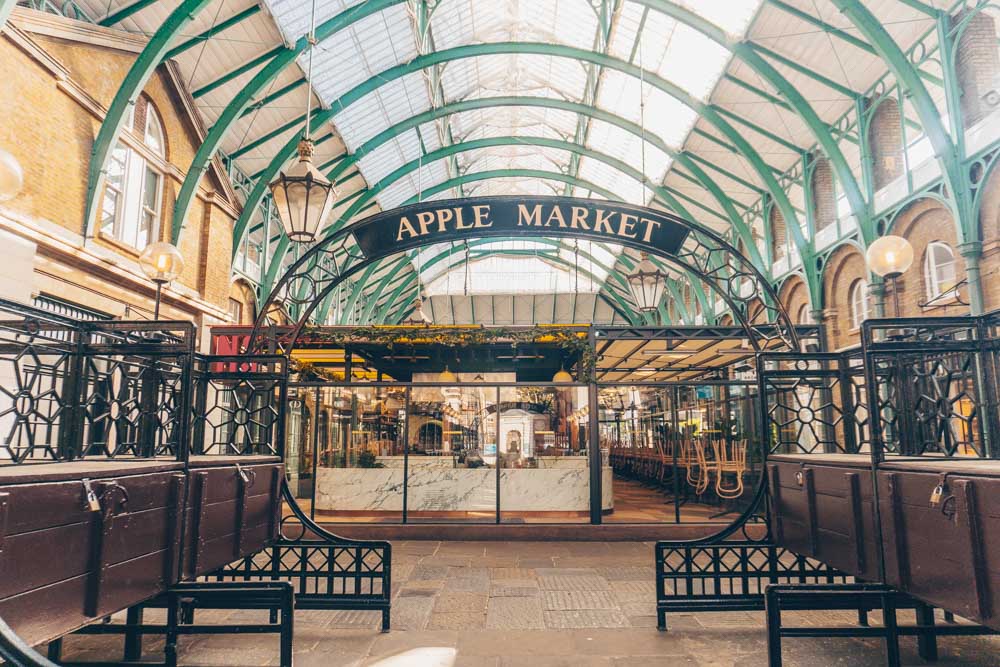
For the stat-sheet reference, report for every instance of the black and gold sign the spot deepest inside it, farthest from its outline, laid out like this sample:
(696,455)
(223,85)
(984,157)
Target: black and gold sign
(461,219)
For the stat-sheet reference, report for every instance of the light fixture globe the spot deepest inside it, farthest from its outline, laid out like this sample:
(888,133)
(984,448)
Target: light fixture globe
(11,176)
(562,376)
(447,376)
(303,197)
(161,262)
(889,256)
(647,283)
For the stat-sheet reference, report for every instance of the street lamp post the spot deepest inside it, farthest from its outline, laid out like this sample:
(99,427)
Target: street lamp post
(889,257)
(162,263)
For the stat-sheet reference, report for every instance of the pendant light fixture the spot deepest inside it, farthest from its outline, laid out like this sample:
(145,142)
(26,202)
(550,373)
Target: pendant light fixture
(647,283)
(562,376)
(303,196)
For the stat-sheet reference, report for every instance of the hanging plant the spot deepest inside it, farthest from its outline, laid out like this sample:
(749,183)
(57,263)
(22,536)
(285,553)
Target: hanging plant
(572,340)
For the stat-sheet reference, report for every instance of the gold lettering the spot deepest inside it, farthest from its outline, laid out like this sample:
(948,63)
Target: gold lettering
(604,220)
(424,219)
(626,225)
(534,218)
(579,218)
(459,221)
(405,227)
(482,212)
(650,225)
(556,215)
(444,215)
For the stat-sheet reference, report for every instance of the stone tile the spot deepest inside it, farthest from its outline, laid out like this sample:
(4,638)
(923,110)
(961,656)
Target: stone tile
(585,618)
(498,573)
(574,583)
(642,621)
(535,562)
(646,608)
(460,602)
(418,592)
(628,573)
(570,600)
(410,613)
(355,619)
(514,613)
(463,620)
(516,643)
(429,572)
(422,584)
(507,590)
(554,661)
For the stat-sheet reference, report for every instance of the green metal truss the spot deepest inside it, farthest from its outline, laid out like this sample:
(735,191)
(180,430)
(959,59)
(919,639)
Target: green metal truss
(707,111)
(734,217)
(948,150)
(138,75)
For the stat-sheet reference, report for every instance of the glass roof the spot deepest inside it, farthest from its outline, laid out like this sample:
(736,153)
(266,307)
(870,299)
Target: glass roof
(634,33)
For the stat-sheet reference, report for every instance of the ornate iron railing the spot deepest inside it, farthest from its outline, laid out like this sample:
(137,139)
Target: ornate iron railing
(327,571)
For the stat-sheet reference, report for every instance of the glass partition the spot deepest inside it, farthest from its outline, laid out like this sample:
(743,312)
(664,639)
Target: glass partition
(452,438)
(360,436)
(543,450)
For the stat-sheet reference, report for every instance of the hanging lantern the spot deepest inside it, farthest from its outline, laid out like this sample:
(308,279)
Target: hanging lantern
(11,176)
(419,315)
(447,376)
(303,197)
(647,284)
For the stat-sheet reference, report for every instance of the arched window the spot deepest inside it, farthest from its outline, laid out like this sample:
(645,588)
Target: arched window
(804,315)
(940,271)
(859,302)
(133,191)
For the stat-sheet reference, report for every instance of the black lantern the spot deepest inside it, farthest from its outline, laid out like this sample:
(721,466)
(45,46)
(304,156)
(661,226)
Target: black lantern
(647,283)
(303,197)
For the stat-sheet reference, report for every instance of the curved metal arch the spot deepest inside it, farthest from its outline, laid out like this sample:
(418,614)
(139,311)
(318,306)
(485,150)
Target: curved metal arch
(454,149)
(555,50)
(313,276)
(279,251)
(618,305)
(381,138)
(906,74)
(138,75)
(444,152)
(558,243)
(744,50)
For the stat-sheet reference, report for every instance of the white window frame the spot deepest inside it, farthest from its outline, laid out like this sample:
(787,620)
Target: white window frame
(938,286)
(860,308)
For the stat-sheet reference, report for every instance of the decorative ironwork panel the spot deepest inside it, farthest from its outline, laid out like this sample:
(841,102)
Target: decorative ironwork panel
(809,403)
(237,407)
(932,385)
(729,575)
(37,362)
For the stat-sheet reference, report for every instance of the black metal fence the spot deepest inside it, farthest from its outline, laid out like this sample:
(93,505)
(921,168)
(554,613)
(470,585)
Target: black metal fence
(72,389)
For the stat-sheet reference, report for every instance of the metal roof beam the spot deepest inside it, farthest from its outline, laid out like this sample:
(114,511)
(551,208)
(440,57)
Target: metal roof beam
(253,63)
(221,26)
(125,12)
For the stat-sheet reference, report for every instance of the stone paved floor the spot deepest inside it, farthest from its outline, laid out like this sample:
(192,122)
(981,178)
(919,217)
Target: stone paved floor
(578,604)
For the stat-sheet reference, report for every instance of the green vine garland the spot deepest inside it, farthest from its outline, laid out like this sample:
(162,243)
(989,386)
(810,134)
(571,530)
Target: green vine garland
(570,340)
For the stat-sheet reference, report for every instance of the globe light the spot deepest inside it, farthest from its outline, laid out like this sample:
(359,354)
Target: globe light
(562,376)
(889,256)
(162,263)
(11,176)
(303,197)
(647,284)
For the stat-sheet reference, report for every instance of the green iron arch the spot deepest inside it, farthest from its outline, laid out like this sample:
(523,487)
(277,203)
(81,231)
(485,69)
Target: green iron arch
(258,192)
(707,111)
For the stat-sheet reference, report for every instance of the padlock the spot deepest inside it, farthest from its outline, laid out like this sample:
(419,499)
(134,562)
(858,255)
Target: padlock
(799,478)
(93,504)
(936,494)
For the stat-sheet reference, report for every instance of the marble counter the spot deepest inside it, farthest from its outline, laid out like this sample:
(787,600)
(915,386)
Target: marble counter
(435,487)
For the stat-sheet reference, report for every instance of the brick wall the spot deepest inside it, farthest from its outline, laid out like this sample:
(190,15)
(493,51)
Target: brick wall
(55,93)
(885,137)
(824,198)
(845,266)
(794,295)
(977,65)
(776,229)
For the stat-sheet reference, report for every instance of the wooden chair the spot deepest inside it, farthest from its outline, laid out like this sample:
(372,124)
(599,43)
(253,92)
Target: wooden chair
(730,459)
